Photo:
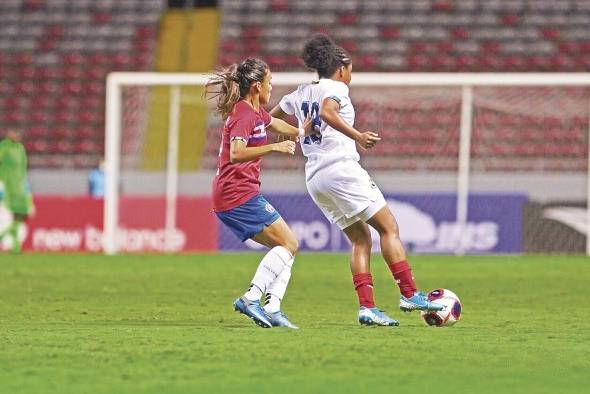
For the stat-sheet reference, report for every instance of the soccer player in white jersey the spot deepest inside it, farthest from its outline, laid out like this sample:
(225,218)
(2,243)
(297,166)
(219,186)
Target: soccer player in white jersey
(337,183)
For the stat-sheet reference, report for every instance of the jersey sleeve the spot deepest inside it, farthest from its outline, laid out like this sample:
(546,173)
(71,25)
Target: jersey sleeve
(241,126)
(336,91)
(288,103)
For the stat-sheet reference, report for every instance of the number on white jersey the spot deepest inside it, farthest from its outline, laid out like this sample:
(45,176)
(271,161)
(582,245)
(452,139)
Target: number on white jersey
(316,122)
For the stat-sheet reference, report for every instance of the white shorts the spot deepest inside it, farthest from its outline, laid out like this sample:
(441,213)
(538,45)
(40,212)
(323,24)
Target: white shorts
(345,193)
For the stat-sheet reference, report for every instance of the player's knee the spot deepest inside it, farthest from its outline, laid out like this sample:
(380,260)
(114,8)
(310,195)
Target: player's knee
(364,243)
(292,245)
(389,231)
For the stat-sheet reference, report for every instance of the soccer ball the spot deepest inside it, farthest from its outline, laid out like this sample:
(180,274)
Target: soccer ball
(451,312)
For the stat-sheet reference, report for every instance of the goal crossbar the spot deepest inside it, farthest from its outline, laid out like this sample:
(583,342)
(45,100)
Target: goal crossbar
(117,80)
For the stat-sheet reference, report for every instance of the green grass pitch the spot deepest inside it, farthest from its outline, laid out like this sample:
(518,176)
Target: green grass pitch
(165,324)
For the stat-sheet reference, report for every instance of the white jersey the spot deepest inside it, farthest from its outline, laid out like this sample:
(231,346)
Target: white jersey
(328,145)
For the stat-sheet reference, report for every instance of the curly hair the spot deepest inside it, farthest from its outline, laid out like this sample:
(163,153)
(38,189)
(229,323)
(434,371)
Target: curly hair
(233,83)
(320,53)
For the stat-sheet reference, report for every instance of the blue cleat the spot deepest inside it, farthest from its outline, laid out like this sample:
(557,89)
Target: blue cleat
(279,319)
(419,301)
(375,317)
(253,310)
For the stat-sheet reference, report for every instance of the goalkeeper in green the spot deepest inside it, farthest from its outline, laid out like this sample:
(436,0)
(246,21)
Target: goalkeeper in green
(15,193)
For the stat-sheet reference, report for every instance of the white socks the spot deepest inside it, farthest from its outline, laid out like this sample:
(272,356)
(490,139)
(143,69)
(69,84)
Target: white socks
(271,266)
(276,291)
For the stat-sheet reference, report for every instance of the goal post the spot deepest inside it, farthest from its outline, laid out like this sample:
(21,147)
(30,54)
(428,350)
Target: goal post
(465,85)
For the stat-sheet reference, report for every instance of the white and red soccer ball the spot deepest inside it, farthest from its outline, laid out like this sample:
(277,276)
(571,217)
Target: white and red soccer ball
(451,312)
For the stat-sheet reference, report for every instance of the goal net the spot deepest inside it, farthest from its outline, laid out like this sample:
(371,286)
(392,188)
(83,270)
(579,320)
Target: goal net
(488,163)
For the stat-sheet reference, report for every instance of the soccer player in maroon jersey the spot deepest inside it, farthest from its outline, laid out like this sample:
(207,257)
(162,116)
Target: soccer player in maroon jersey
(241,92)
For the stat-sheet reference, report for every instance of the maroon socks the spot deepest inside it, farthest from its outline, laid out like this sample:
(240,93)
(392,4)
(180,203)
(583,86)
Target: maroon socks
(402,273)
(363,284)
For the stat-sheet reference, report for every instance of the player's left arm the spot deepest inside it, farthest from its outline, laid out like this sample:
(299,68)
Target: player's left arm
(329,113)
(279,126)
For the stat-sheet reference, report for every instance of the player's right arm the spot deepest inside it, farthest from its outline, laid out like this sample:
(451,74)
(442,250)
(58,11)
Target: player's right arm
(329,114)
(240,153)
(277,112)
(240,129)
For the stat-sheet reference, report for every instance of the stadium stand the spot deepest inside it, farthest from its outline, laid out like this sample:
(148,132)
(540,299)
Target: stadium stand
(54,55)
(416,36)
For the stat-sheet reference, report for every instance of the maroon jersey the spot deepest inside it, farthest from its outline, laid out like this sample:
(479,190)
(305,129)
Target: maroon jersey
(236,183)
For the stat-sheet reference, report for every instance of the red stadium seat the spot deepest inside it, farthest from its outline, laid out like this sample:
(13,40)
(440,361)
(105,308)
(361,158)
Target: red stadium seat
(37,132)
(48,44)
(66,102)
(515,63)
(72,72)
(23,59)
(146,32)
(102,18)
(11,103)
(37,146)
(276,62)
(24,88)
(390,32)
(443,6)
(44,73)
(40,117)
(562,62)
(143,45)
(25,72)
(568,47)
(539,62)
(73,59)
(279,5)
(33,5)
(86,132)
(72,88)
(121,62)
(89,117)
(54,31)
(510,19)
(92,88)
(92,102)
(87,146)
(460,33)
(368,62)
(65,117)
(252,32)
(64,146)
(61,133)
(347,19)
(98,59)
(550,33)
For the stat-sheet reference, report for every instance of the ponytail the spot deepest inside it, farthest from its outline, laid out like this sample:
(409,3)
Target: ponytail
(232,84)
(224,86)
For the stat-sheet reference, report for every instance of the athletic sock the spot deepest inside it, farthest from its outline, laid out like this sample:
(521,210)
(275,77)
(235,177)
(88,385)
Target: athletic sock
(253,293)
(276,291)
(402,273)
(269,269)
(16,244)
(3,233)
(363,284)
